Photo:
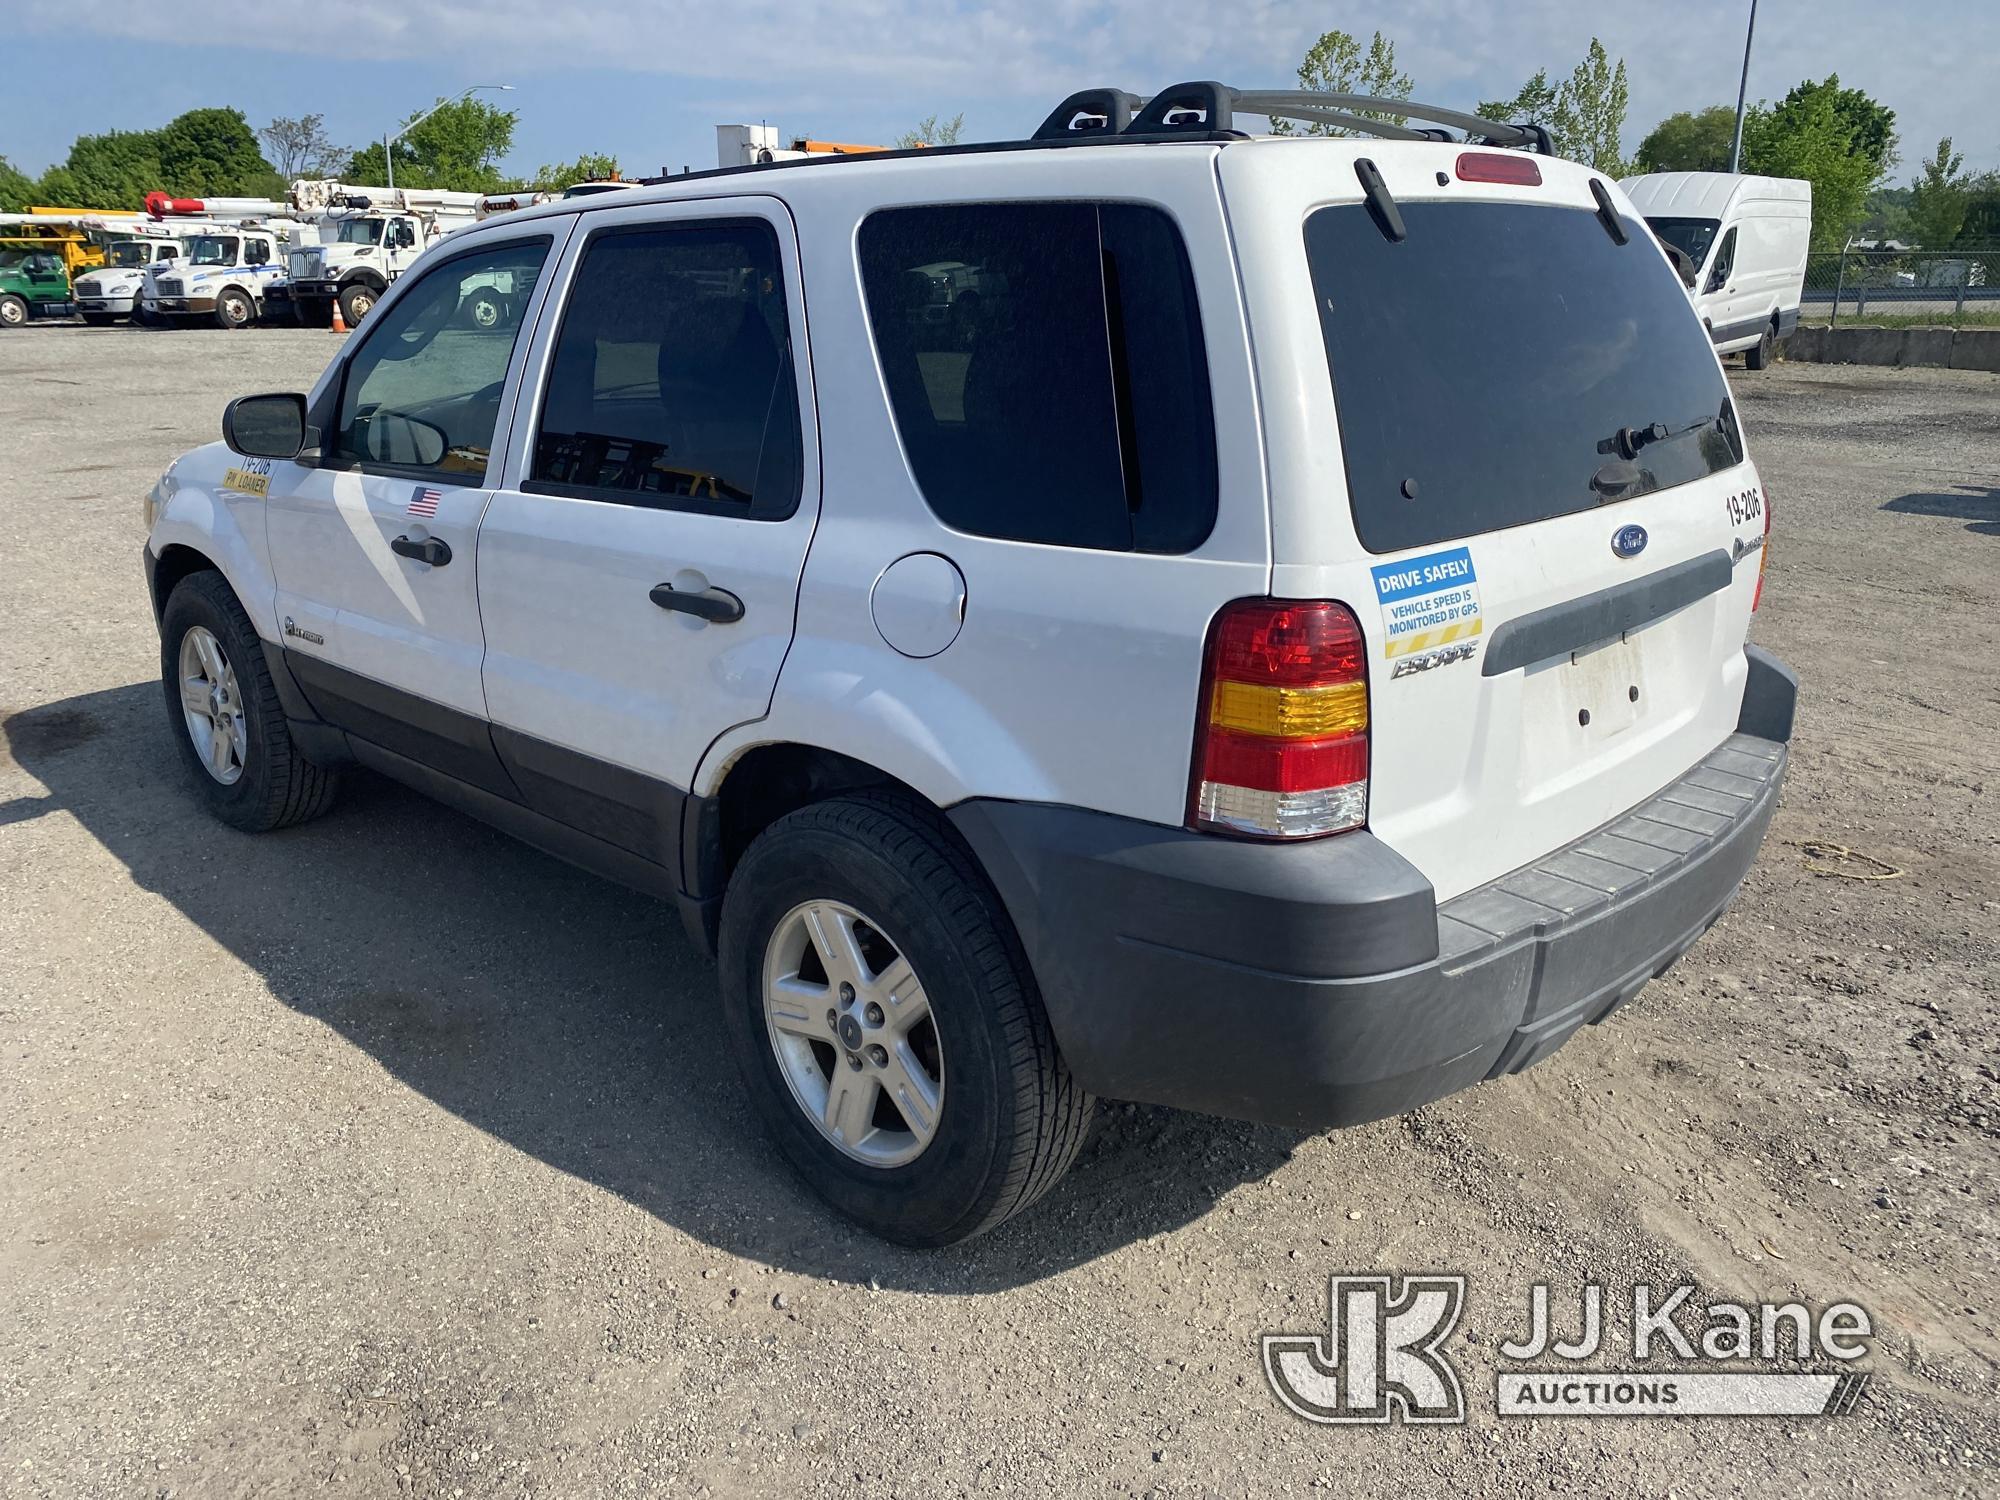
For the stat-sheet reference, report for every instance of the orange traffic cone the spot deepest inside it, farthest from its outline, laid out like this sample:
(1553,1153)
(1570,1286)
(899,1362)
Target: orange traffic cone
(339,322)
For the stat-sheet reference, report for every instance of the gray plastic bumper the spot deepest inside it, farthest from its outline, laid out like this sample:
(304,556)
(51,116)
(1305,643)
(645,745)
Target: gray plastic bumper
(1320,984)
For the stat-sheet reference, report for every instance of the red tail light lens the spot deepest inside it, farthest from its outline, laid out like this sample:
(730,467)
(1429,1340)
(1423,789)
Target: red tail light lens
(1499,166)
(1282,749)
(1763,552)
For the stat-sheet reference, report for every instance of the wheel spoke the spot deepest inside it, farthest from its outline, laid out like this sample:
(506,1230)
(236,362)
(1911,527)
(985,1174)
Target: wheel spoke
(912,1091)
(903,998)
(833,935)
(211,657)
(218,750)
(798,1008)
(850,1102)
(194,696)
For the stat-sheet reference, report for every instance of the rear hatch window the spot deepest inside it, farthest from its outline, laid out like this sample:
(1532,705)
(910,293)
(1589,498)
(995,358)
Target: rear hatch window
(1508,363)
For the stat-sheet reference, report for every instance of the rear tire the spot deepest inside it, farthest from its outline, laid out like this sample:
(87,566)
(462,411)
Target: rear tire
(13,311)
(1009,1119)
(1760,354)
(260,781)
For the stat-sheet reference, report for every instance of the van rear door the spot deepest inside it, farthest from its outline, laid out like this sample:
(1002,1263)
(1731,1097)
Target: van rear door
(1513,453)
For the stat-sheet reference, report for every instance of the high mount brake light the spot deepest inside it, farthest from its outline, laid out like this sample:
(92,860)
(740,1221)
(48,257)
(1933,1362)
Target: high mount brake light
(1499,166)
(1282,747)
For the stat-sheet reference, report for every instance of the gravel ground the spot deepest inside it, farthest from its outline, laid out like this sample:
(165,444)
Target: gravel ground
(389,1155)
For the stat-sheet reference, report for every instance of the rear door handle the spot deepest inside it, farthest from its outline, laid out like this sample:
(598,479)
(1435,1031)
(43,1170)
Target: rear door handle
(430,550)
(717,606)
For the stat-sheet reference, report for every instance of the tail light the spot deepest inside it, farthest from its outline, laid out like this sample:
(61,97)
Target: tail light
(1282,747)
(1763,552)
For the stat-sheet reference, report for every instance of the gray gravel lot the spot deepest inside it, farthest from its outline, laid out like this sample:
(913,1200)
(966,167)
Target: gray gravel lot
(385,1154)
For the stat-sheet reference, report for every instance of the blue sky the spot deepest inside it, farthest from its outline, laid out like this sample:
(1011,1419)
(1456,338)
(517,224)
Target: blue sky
(649,79)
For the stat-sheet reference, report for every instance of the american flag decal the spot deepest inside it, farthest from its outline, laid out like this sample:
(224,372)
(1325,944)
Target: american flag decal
(425,502)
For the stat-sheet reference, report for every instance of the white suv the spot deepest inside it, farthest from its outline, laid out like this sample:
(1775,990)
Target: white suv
(1264,633)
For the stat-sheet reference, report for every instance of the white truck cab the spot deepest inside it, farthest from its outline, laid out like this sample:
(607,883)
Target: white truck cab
(112,291)
(1746,238)
(221,275)
(1275,645)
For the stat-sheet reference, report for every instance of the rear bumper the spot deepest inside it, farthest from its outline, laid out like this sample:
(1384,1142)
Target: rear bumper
(1320,984)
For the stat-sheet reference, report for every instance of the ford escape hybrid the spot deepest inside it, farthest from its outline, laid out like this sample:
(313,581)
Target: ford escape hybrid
(1149,611)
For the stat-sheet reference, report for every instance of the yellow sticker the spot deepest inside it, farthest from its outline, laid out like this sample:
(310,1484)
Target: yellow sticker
(248,482)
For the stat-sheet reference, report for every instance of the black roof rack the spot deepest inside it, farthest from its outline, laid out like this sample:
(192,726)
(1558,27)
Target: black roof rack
(1203,110)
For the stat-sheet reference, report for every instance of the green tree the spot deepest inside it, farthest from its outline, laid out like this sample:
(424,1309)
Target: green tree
(1590,112)
(1808,137)
(1584,114)
(1691,141)
(1336,64)
(302,148)
(17,188)
(931,131)
(589,167)
(1534,105)
(1871,127)
(458,148)
(1939,198)
(212,153)
(113,171)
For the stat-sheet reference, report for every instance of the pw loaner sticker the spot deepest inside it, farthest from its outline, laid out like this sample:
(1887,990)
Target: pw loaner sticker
(254,478)
(1427,602)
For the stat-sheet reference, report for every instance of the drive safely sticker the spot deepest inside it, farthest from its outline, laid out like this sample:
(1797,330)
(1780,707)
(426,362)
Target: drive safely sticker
(1427,601)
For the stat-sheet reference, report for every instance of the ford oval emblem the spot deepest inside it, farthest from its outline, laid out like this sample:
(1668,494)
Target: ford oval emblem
(1629,541)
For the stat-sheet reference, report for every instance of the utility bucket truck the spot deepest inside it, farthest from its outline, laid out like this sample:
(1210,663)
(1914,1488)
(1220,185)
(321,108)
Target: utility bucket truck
(368,236)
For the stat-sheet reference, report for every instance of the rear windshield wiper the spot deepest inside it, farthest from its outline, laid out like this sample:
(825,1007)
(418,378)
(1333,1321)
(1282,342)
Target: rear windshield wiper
(1627,441)
(1381,207)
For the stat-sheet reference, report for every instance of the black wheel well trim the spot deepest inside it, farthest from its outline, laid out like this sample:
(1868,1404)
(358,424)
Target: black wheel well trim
(366,276)
(175,563)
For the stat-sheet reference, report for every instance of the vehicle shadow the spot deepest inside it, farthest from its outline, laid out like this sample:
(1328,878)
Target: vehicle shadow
(562,1014)
(1980,508)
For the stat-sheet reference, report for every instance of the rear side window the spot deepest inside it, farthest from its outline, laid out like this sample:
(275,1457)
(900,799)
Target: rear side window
(1508,363)
(1045,365)
(672,384)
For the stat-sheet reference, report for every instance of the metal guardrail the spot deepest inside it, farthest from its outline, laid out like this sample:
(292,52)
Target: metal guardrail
(1898,288)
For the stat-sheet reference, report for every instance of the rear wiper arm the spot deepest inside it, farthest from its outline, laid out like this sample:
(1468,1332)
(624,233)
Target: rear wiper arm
(1627,441)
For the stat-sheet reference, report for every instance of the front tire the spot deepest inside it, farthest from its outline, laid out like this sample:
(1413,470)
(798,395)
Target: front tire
(234,309)
(100,319)
(1759,355)
(355,301)
(13,311)
(223,712)
(887,1025)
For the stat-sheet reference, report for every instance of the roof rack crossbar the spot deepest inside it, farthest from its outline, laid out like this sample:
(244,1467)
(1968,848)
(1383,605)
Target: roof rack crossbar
(1286,103)
(1357,123)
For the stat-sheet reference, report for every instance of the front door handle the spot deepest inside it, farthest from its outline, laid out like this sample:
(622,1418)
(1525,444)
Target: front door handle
(717,606)
(430,550)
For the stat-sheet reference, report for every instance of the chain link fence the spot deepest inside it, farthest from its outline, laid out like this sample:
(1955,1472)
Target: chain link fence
(1903,288)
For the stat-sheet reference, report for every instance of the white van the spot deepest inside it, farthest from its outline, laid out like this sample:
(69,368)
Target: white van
(1747,238)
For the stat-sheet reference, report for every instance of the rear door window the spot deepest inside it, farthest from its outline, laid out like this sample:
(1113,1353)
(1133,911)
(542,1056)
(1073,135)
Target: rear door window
(1045,365)
(1505,364)
(672,385)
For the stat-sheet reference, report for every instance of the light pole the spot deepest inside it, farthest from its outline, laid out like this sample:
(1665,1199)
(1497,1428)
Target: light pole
(389,141)
(1742,92)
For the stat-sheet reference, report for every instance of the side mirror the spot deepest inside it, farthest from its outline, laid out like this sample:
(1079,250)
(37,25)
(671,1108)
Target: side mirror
(271,426)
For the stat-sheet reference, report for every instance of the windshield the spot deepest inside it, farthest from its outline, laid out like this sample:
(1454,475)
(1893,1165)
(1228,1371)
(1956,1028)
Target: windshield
(1691,237)
(213,250)
(1507,363)
(359,232)
(130,253)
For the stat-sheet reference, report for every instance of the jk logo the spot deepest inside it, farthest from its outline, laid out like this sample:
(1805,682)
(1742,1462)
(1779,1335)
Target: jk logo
(1379,1354)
